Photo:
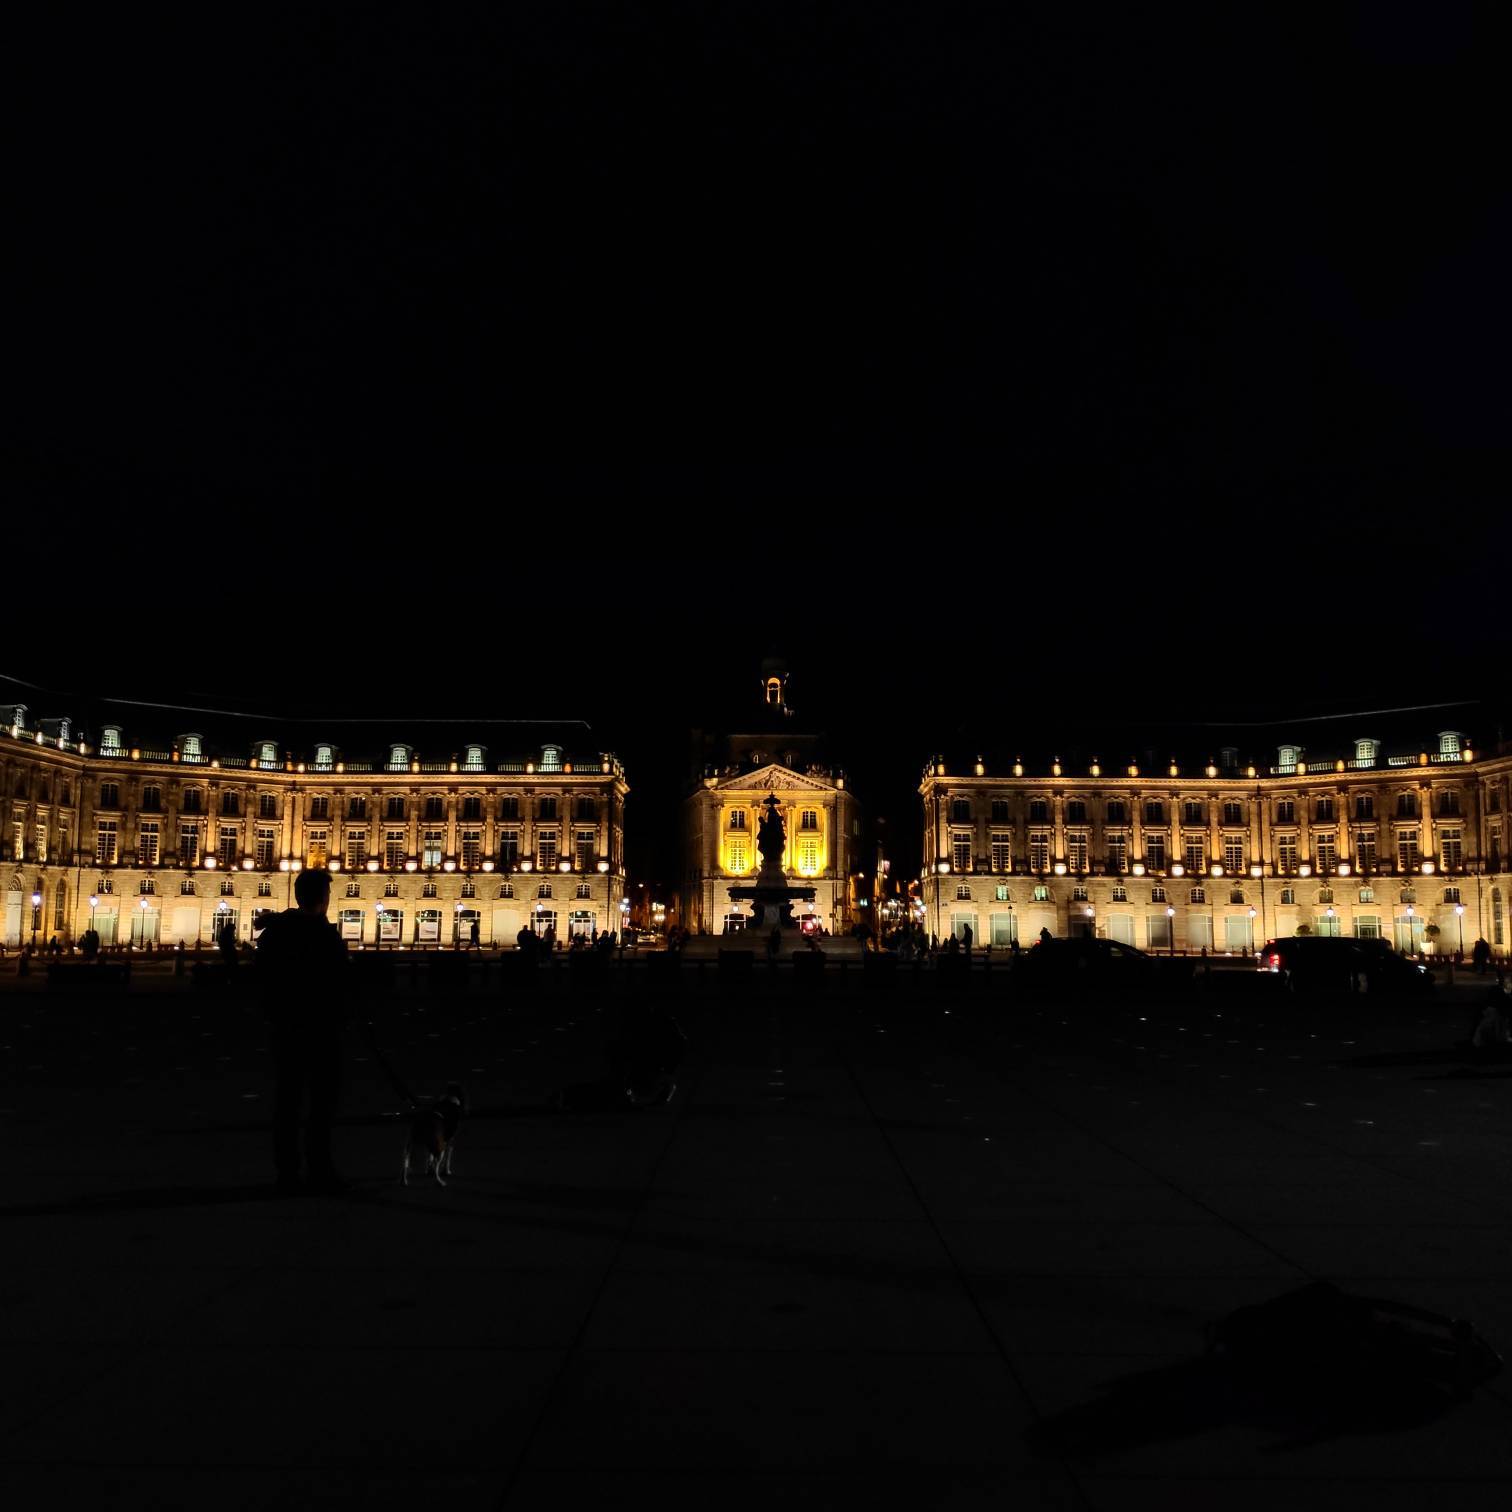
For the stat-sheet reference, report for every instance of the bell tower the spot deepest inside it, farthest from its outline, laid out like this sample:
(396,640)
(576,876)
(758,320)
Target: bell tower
(774,680)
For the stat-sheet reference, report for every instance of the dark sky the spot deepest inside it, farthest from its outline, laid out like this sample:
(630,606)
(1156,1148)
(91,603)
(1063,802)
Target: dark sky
(559,359)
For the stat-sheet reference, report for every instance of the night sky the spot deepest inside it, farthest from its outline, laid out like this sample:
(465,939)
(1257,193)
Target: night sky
(562,359)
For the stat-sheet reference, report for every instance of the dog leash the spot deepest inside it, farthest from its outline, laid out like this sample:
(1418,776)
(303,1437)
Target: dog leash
(388,1070)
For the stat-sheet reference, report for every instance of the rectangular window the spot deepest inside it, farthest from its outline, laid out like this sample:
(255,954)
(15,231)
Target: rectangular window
(1194,853)
(1154,813)
(1004,930)
(737,855)
(1041,893)
(1002,852)
(317,847)
(356,849)
(435,807)
(1368,926)
(472,807)
(737,819)
(1076,850)
(1118,854)
(356,808)
(1408,855)
(546,808)
(1365,850)
(1117,812)
(267,806)
(1039,811)
(472,848)
(808,856)
(1364,807)
(320,806)
(431,845)
(1000,811)
(1199,932)
(393,849)
(1039,850)
(960,811)
(1233,813)
(1326,851)
(1076,811)
(1191,813)
(1157,894)
(231,804)
(1451,849)
(509,847)
(39,841)
(960,852)
(1407,806)
(105,842)
(152,800)
(1286,812)
(1325,811)
(584,850)
(1233,854)
(264,855)
(1286,853)
(546,851)
(227,844)
(509,807)
(808,819)
(147,843)
(394,808)
(110,795)
(1158,931)
(1155,852)
(192,802)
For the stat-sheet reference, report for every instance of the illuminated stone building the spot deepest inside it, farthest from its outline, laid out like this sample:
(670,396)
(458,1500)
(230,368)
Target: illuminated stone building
(771,755)
(1350,831)
(167,825)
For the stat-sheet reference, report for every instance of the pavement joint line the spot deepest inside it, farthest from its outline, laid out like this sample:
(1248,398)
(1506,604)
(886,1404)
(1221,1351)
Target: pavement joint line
(574,1349)
(963,1279)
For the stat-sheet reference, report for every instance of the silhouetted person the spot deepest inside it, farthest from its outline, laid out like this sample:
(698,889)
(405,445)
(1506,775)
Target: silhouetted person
(1480,956)
(966,940)
(301,968)
(1044,935)
(89,943)
(549,938)
(525,941)
(225,940)
(474,934)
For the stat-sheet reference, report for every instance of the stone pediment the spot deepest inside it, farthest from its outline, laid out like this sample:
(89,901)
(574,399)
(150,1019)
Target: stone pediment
(773,776)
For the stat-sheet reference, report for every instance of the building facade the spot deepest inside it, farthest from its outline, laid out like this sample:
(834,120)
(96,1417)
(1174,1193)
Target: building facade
(770,757)
(1406,842)
(162,841)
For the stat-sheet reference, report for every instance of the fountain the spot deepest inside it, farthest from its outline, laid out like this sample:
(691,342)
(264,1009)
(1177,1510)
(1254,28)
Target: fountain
(772,898)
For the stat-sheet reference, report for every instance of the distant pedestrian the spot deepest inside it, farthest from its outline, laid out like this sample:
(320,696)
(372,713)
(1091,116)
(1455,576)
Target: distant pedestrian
(89,943)
(1044,935)
(474,934)
(1480,956)
(966,938)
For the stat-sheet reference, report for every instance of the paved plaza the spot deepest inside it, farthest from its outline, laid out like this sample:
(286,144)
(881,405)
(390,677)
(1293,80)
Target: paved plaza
(902,1245)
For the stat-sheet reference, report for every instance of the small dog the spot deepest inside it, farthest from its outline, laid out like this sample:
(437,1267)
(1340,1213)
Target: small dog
(433,1134)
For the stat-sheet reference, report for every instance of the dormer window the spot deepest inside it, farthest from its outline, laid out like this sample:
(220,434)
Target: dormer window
(1287,755)
(473,759)
(191,747)
(267,753)
(63,730)
(110,740)
(1228,757)
(399,758)
(325,756)
(551,758)
(1365,752)
(1449,743)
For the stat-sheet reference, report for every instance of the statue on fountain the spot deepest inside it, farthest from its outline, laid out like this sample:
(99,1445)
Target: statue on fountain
(770,839)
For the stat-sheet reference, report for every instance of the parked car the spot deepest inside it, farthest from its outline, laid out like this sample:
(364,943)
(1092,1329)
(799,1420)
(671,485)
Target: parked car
(1332,963)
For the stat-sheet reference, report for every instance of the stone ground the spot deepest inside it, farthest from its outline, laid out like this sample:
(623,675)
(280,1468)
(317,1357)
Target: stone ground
(878,1242)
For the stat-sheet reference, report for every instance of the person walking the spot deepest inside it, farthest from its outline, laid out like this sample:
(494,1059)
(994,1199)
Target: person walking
(1480,956)
(966,938)
(301,977)
(474,934)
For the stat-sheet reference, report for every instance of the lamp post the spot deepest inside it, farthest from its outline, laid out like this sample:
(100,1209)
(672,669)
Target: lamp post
(1252,931)
(1459,913)
(36,918)
(143,906)
(1170,930)
(457,927)
(1410,912)
(378,926)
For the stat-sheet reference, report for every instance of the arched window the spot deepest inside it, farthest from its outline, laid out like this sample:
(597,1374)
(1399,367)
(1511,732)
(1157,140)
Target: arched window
(774,690)
(473,761)
(551,758)
(506,889)
(1198,895)
(544,890)
(1498,919)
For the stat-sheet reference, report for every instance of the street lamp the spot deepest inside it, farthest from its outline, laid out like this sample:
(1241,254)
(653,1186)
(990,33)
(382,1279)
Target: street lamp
(1410,911)
(36,918)
(1459,913)
(378,926)
(457,927)
(1170,930)
(143,906)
